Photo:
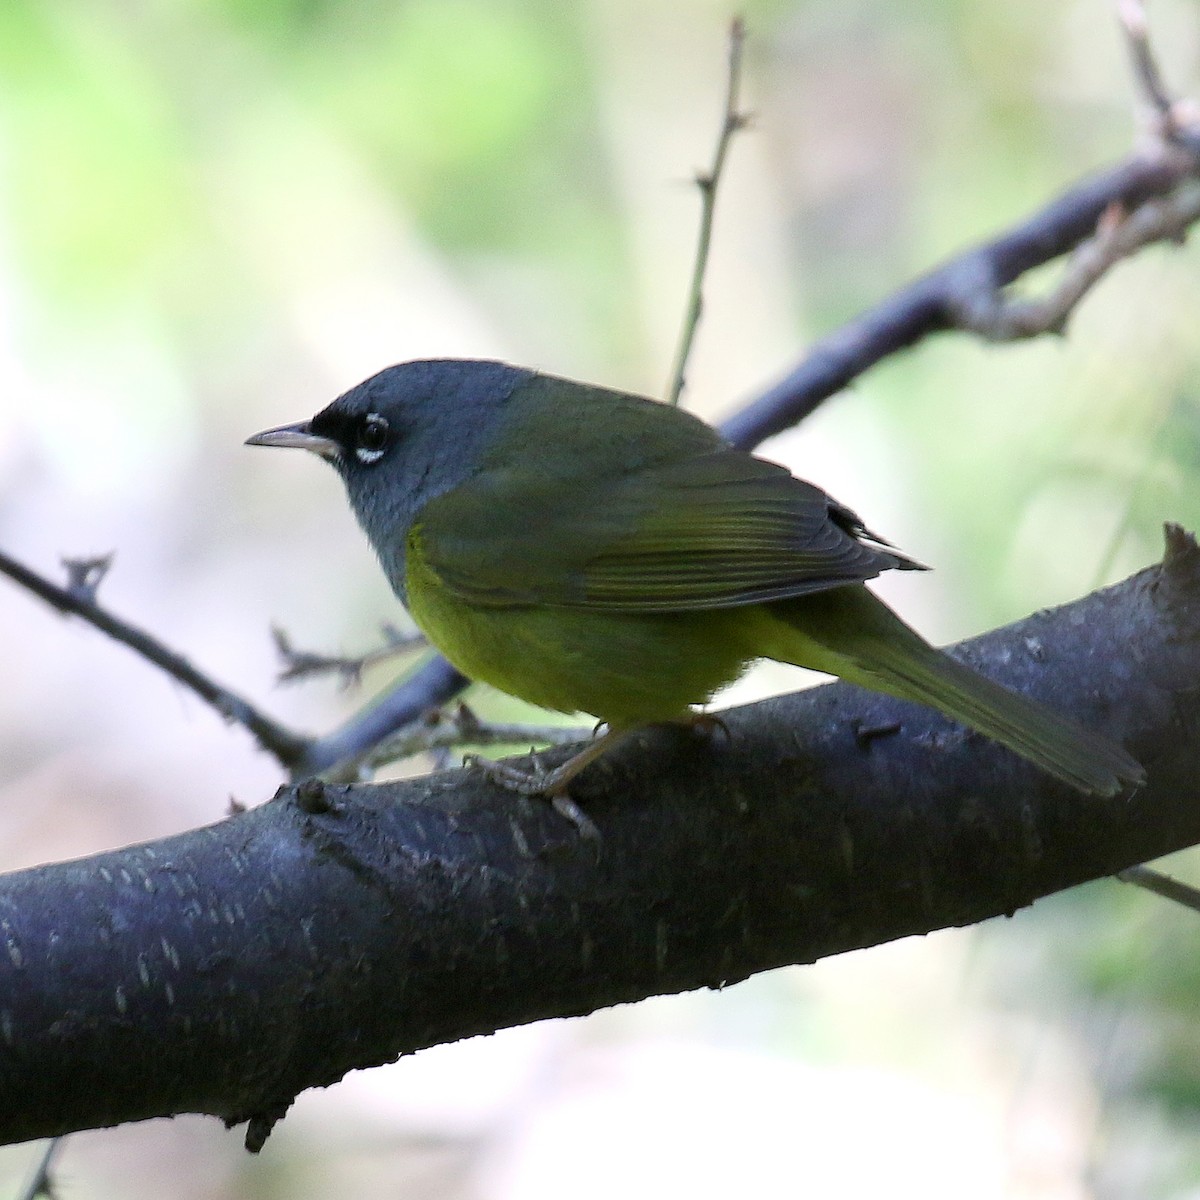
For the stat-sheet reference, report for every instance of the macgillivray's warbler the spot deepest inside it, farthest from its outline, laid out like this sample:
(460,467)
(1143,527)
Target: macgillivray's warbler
(593,551)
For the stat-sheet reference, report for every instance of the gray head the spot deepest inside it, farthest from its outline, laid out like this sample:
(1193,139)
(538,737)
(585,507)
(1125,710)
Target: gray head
(402,437)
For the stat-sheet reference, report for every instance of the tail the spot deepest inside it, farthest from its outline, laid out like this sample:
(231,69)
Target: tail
(851,633)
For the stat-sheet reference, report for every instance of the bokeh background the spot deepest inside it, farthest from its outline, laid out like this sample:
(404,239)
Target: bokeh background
(217,214)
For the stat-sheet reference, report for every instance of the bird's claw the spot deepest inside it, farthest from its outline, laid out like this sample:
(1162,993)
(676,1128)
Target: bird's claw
(538,782)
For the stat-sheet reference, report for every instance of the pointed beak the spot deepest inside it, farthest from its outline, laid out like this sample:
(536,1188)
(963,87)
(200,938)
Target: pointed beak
(299,437)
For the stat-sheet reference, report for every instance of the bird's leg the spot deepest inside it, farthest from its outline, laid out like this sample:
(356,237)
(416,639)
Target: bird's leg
(555,784)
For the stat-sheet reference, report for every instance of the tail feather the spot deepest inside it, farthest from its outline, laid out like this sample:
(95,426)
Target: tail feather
(851,633)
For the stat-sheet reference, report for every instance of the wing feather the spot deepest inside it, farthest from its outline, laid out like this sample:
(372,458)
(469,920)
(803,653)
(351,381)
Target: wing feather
(636,531)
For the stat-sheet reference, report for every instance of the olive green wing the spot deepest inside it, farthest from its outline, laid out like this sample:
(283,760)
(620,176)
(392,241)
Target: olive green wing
(713,529)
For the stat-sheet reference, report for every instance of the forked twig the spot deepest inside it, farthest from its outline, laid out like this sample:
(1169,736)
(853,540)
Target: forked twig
(308,664)
(998,318)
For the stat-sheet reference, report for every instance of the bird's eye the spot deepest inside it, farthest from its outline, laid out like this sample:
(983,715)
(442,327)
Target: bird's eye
(371,439)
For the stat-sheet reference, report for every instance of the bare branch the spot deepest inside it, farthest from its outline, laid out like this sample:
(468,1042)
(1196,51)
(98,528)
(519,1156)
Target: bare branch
(989,313)
(41,1185)
(966,293)
(733,119)
(1146,74)
(308,664)
(411,713)
(439,729)
(1162,885)
(77,600)
(430,686)
(343,754)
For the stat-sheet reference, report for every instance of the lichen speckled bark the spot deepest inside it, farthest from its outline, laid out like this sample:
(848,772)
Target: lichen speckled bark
(225,970)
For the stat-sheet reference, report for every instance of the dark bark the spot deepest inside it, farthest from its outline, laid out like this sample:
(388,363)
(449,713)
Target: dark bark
(225,970)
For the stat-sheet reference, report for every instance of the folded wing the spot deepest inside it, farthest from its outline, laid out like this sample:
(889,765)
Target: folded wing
(713,529)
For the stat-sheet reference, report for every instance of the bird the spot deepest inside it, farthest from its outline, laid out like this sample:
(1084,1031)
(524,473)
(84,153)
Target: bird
(590,550)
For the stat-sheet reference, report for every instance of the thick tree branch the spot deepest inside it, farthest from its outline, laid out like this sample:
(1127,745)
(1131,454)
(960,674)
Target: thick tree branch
(225,970)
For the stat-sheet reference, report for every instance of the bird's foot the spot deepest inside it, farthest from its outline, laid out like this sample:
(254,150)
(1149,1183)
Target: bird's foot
(566,807)
(513,779)
(553,785)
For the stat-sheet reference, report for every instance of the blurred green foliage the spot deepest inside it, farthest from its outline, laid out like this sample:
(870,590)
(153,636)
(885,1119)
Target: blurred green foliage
(175,173)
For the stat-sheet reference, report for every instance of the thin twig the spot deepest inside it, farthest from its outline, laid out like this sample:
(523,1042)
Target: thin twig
(1161,885)
(286,746)
(447,730)
(307,664)
(1147,76)
(1119,234)
(430,686)
(403,709)
(732,120)
(994,316)
(85,575)
(40,1183)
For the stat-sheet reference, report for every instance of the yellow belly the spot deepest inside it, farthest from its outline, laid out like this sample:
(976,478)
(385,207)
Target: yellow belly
(625,668)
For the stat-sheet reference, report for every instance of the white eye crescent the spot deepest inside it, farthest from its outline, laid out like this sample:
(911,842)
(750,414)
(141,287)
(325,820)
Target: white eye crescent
(371,440)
